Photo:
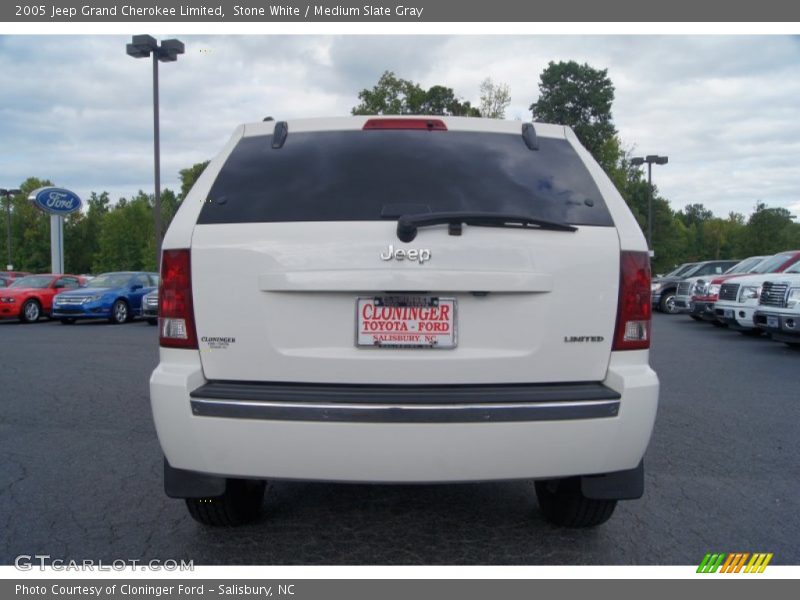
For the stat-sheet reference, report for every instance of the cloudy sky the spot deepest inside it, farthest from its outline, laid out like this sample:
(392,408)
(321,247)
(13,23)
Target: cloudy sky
(76,109)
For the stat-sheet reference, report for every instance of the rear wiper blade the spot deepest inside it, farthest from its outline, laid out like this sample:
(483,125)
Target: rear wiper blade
(407,225)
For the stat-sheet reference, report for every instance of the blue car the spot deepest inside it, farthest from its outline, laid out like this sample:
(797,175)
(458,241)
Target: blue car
(113,296)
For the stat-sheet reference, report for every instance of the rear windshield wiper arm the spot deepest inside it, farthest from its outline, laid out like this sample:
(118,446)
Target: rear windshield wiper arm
(407,225)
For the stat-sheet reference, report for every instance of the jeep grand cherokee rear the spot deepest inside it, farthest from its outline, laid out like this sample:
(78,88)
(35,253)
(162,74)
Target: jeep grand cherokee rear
(403,300)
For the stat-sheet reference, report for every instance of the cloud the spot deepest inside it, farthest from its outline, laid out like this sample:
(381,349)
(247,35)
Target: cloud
(77,110)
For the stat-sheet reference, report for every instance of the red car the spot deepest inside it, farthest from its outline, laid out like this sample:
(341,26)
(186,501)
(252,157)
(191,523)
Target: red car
(29,298)
(703,305)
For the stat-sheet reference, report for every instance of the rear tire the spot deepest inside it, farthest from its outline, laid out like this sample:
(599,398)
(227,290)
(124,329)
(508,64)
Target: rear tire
(562,503)
(120,313)
(240,504)
(152,321)
(31,311)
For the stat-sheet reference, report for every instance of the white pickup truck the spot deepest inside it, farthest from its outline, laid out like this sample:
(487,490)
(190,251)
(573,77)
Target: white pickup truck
(778,310)
(738,300)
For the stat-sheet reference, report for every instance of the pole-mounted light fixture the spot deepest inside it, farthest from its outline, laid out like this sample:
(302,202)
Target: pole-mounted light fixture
(142,46)
(7,195)
(650,159)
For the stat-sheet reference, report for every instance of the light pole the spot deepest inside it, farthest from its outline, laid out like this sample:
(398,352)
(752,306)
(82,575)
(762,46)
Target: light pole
(650,159)
(142,46)
(7,195)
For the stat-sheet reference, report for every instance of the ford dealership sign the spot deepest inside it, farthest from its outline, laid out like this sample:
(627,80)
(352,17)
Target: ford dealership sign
(56,201)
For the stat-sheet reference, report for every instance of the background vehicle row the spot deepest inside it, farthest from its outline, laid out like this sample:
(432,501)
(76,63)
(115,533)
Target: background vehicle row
(740,298)
(664,289)
(113,296)
(759,294)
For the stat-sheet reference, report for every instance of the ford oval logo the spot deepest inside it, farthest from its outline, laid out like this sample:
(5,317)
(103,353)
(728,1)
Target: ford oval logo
(56,201)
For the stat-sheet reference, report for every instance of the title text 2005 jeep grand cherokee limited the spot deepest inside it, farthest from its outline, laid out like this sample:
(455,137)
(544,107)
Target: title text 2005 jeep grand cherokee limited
(404,300)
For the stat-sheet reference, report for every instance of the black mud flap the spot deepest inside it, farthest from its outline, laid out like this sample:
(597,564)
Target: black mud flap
(619,485)
(189,484)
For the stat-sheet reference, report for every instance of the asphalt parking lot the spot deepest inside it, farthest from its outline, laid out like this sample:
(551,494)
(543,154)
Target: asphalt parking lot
(81,470)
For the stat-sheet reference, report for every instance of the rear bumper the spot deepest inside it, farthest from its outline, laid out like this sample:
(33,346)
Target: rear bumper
(407,439)
(404,404)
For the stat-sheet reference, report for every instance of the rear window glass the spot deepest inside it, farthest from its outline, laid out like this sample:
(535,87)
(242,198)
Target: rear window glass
(373,175)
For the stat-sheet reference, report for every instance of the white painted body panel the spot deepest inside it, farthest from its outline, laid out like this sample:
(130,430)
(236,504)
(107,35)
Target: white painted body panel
(402,452)
(287,292)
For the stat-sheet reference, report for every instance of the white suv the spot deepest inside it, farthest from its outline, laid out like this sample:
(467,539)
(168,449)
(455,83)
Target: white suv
(403,299)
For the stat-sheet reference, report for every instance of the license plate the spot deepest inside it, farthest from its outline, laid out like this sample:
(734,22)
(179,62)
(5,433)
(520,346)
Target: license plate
(728,313)
(406,322)
(773,322)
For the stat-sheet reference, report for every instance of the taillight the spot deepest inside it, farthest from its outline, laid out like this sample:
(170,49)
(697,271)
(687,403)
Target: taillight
(429,124)
(175,309)
(633,311)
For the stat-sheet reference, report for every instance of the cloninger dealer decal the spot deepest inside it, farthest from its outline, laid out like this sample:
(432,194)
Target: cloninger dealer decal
(218,343)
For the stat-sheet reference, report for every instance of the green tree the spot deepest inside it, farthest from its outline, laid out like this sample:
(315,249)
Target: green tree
(396,96)
(390,96)
(695,218)
(719,236)
(580,96)
(169,206)
(82,232)
(30,230)
(189,176)
(441,100)
(769,230)
(495,99)
(126,241)
(695,214)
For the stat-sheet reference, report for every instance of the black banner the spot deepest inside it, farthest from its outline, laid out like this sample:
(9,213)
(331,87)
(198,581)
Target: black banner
(412,11)
(397,589)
